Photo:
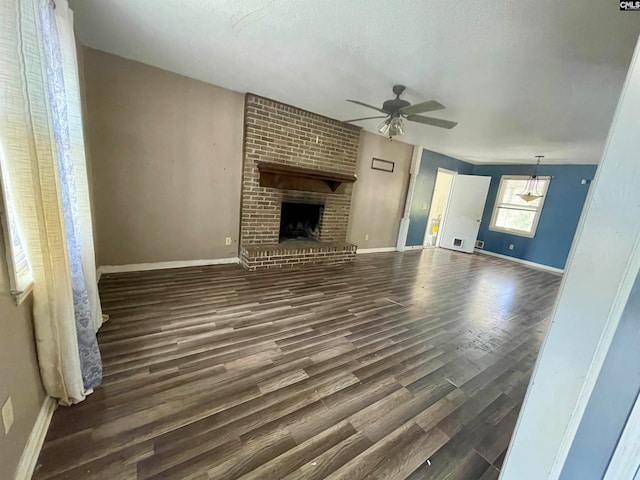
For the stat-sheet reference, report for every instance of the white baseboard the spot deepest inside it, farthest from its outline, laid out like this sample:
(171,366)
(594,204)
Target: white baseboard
(140,267)
(377,250)
(540,266)
(31,451)
(415,247)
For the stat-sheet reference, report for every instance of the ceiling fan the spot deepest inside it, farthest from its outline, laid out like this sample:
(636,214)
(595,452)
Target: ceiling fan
(396,109)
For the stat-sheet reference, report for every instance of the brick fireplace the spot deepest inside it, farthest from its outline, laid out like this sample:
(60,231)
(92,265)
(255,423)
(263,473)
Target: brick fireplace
(296,158)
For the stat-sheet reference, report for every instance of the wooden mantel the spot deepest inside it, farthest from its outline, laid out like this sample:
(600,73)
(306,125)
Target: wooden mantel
(286,177)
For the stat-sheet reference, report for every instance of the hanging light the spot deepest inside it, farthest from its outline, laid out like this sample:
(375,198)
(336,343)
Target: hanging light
(396,128)
(392,127)
(530,192)
(383,128)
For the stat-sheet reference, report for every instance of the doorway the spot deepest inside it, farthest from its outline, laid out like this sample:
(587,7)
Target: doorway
(439,200)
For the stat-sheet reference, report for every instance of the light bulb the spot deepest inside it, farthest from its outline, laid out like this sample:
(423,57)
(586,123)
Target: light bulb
(383,128)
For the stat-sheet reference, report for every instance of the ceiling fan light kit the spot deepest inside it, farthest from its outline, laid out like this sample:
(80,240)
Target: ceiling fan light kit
(393,127)
(397,110)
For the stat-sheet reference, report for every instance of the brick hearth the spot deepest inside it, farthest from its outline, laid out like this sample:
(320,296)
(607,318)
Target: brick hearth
(279,133)
(295,253)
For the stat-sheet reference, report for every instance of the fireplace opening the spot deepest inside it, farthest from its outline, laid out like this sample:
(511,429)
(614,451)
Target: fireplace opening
(300,221)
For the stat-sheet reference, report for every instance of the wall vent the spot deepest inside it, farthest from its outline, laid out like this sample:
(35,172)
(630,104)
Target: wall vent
(457,242)
(480,244)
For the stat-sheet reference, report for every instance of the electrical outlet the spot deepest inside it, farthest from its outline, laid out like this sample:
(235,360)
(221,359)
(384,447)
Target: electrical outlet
(511,246)
(366,237)
(7,415)
(227,241)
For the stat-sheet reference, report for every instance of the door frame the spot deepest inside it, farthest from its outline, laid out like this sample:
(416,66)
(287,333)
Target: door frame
(446,206)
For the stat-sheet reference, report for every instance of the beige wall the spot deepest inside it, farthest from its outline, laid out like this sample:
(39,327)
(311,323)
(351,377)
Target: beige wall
(378,197)
(19,375)
(166,161)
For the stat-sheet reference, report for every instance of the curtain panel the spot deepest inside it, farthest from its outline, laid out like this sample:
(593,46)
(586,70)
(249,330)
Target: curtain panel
(41,132)
(77,151)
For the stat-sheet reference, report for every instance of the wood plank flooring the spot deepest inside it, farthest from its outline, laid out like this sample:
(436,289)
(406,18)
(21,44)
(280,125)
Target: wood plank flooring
(409,365)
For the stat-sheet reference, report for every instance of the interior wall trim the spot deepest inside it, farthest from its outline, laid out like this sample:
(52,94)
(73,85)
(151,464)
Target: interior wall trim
(377,250)
(403,231)
(558,271)
(31,452)
(140,267)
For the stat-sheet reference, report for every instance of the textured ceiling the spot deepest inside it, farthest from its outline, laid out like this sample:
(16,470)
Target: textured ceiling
(521,77)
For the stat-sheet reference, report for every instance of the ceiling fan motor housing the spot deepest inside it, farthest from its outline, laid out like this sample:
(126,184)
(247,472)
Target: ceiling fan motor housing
(392,107)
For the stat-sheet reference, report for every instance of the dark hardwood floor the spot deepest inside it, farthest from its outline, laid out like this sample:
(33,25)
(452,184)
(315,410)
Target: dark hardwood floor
(397,366)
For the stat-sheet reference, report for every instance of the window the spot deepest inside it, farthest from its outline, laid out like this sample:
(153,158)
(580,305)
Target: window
(20,276)
(511,214)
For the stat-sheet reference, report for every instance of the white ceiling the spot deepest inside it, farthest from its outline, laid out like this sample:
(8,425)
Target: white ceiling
(521,77)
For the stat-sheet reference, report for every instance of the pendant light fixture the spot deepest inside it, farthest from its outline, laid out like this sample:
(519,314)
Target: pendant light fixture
(530,192)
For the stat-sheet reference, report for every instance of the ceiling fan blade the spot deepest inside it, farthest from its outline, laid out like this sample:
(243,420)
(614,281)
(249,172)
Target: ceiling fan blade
(435,122)
(423,107)
(364,118)
(365,105)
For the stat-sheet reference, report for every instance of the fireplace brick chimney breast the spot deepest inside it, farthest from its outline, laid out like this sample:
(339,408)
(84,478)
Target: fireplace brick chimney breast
(278,133)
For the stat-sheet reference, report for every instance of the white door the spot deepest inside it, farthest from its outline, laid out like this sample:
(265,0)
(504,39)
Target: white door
(464,212)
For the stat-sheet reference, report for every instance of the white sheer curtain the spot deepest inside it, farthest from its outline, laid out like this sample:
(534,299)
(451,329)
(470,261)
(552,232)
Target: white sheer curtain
(41,132)
(64,22)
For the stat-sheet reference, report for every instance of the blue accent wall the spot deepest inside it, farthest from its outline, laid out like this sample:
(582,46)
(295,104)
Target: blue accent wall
(558,221)
(425,183)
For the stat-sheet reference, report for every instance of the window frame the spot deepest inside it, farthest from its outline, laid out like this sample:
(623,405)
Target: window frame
(498,203)
(19,286)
